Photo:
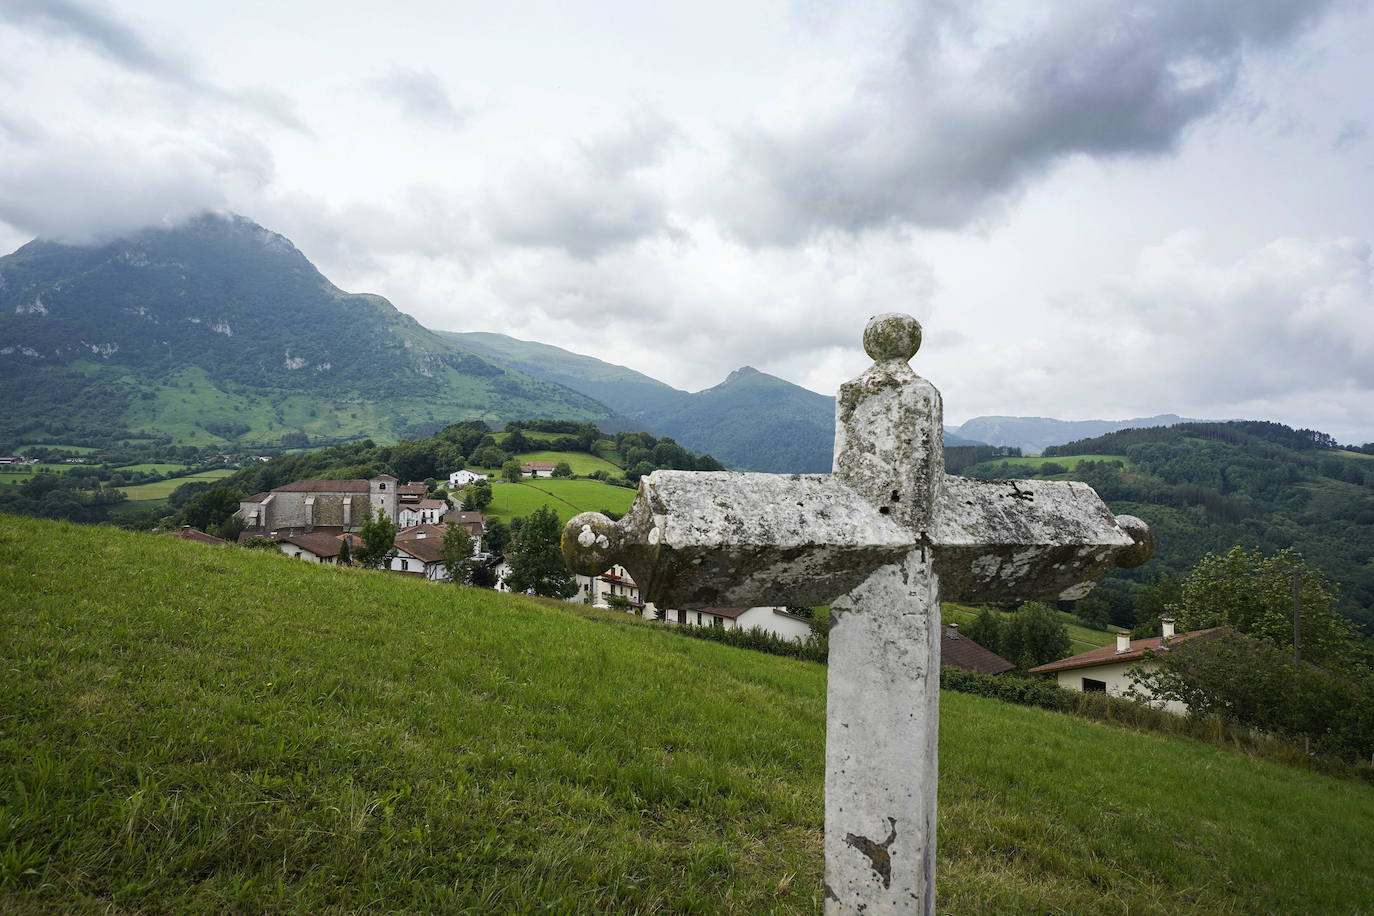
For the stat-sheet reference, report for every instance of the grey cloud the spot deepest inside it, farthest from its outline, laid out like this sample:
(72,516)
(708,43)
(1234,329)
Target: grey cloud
(1352,133)
(101,32)
(87,189)
(593,201)
(97,30)
(421,95)
(959,121)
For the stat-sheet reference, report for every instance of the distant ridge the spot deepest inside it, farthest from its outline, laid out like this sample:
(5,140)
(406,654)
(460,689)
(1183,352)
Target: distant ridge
(751,420)
(1035,434)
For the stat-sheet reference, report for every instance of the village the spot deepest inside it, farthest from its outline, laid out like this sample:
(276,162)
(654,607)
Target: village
(319,521)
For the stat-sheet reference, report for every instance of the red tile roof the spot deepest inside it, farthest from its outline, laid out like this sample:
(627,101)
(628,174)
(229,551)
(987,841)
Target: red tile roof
(961,652)
(324,486)
(425,550)
(729,613)
(1107,655)
(421,532)
(257,497)
(538,466)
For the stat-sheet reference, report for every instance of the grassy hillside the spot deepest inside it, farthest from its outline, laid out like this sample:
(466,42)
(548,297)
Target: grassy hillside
(185,728)
(581,463)
(565,497)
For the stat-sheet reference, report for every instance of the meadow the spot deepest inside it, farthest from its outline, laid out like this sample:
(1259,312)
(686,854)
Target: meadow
(209,729)
(162,489)
(581,463)
(566,497)
(1083,638)
(1034,462)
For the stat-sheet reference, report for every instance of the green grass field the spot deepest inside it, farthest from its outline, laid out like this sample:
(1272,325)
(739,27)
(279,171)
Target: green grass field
(1035,461)
(153,467)
(163,488)
(565,497)
(581,463)
(207,729)
(1083,638)
(13,474)
(1348,454)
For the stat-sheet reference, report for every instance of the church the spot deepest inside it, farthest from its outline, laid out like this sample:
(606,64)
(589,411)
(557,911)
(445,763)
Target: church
(303,506)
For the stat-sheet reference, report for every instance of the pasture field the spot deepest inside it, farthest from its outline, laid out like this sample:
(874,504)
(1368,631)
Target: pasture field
(565,497)
(210,729)
(163,488)
(10,474)
(581,463)
(1035,461)
(153,467)
(1083,638)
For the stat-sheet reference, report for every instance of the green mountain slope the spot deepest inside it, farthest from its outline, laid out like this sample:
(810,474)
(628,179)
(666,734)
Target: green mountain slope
(751,421)
(625,390)
(201,729)
(1210,486)
(1033,434)
(219,330)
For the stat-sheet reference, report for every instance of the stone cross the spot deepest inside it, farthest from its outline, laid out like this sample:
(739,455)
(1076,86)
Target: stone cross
(881,540)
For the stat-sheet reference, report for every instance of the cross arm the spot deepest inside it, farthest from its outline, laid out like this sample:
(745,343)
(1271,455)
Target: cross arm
(731,539)
(1004,540)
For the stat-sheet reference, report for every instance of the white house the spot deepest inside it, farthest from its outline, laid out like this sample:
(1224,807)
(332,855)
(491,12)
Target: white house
(775,620)
(613,583)
(1104,670)
(421,512)
(537,468)
(464,477)
(322,545)
(419,556)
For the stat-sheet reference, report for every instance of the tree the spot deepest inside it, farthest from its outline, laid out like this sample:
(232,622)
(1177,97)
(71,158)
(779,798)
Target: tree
(536,561)
(497,536)
(1257,684)
(345,552)
(1033,636)
(516,442)
(562,469)
(986,630)
(510,471)
(477,496)
(1260,597)
(210,508)
(1094,611)
(378,541)
(457,554)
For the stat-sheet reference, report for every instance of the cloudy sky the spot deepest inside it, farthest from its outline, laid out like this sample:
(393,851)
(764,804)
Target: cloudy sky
(1096,209)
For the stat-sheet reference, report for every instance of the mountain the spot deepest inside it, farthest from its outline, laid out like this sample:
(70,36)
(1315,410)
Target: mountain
(751,420)
(222,331)
(1035,434)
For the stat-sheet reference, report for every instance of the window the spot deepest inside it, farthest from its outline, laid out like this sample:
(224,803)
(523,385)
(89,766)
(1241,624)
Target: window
(1092,686)
(381,486)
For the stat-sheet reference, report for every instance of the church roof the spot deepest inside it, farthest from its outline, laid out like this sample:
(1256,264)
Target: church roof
(324,486)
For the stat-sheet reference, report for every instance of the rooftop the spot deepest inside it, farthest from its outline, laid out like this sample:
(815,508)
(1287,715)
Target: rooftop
(1107,655)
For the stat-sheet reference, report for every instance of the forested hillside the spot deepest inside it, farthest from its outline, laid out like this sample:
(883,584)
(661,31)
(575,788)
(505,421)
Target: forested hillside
(1211,486)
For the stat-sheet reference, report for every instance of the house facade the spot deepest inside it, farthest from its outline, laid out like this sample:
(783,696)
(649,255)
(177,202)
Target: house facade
(537,468)
(421,512)
(465,476)
(1106,669)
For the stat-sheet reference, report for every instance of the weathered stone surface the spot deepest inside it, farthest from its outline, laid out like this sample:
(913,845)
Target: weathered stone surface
(886,446)
(880,750)
(1003,540)
(722,538)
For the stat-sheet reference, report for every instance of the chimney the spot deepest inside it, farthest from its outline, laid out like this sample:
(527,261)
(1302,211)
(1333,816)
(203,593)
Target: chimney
(1123,643)
(951,631)
(1167,623)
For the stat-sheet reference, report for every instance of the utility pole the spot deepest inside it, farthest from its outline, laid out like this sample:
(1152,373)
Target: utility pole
(1297,620)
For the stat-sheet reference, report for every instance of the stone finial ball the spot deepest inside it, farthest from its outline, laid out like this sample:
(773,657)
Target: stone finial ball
(590,543)
(892,335)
